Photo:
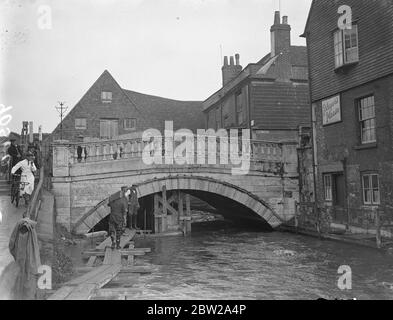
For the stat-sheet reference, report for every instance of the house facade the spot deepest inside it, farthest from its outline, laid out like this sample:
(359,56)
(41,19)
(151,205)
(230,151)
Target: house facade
(351,72)
(270,97)
(107,111)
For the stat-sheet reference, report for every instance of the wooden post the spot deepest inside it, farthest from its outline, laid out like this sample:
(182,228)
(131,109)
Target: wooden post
(144,220)
(378,225)
(156,214)
(188,214)
(164,210)
(182,222)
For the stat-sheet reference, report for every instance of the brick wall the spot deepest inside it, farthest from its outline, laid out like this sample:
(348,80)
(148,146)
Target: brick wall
(338,146)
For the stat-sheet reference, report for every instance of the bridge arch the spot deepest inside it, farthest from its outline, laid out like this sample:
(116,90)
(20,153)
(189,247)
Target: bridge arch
(186,183)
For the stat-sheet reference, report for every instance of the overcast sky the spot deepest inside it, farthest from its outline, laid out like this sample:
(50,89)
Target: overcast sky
(169,48)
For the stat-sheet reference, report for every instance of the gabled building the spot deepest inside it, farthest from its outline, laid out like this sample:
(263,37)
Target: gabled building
(271,97)
(108,111)
(351,72)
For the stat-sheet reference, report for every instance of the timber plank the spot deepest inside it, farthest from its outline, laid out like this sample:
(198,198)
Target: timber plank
(62,293)
(77,281)
(123,252)
(82,292)
(124,240)
(137,269)
(91,261)
(117,292)
(102,279)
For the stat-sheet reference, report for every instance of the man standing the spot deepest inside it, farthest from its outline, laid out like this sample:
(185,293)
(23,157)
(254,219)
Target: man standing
(133,206)
(118,205)
(14,151)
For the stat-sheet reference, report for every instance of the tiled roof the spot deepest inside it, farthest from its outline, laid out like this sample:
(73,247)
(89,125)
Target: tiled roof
(277,67)
(280,105)
(184,114)
(273,69)
(298,56)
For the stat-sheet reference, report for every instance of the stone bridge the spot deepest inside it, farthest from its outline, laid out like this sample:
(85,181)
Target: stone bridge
(85,175)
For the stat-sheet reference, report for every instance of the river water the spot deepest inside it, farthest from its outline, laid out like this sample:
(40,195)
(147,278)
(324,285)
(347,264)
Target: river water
(228,263)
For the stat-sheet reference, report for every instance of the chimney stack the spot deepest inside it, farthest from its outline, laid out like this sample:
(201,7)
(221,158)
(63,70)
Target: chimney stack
(280,35)
(231,71)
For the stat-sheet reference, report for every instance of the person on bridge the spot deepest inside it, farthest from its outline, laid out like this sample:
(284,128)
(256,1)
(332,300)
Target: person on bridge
(133,206)
(27,178)
(15,153)
(118,204)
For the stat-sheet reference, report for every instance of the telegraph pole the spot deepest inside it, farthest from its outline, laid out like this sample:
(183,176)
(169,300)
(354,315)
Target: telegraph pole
(61,109)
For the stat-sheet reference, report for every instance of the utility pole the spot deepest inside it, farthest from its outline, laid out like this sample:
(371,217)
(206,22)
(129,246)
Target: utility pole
(62,110)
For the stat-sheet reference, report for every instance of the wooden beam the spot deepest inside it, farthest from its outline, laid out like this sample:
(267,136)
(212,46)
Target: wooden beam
(181,212)
(135,251)
(188,214)
(156,213)
(119,293)
(164,226)
(62,293)
(138,269)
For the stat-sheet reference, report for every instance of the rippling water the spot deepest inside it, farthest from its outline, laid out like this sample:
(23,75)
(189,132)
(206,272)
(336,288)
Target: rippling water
(232,264)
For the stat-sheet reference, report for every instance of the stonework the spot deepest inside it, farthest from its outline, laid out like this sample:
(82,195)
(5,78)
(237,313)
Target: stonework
(270,194)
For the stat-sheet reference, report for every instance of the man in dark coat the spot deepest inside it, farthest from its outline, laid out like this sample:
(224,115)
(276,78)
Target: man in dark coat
(14,152)
(118,204)
(16,156)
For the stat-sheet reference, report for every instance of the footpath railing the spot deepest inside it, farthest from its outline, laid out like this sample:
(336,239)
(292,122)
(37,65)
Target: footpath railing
(109,150)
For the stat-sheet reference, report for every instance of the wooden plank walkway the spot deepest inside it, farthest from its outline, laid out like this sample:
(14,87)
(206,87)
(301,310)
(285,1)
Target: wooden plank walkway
(124,240)
(86,286)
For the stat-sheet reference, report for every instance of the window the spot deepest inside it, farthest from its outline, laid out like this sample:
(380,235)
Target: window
(367,120)
(371,194)
(129,124)
(106,97)
(239,109)
(346,49)
(109,128)
(218,118)
(80,124)
(327,182)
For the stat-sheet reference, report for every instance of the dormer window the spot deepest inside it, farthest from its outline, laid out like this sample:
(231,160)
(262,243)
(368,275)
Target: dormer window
(106,97)
(346,47)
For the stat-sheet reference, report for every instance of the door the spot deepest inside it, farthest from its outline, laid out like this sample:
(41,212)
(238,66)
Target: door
(339,190)
(109,128)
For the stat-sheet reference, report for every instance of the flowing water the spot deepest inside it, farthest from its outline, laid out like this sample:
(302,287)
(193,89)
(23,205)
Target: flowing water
(228,263)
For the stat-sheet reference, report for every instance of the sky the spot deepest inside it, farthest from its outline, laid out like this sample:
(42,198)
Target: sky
(53,51)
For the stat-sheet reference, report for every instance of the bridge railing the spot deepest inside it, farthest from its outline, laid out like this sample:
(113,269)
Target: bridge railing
(109,150)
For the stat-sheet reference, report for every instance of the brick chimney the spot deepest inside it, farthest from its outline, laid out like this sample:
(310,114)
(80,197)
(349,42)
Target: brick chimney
(232,70)
(280,35)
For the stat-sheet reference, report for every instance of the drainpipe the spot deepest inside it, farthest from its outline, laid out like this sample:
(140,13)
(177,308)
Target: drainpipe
(249,108)
(344,162)
(313,136)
